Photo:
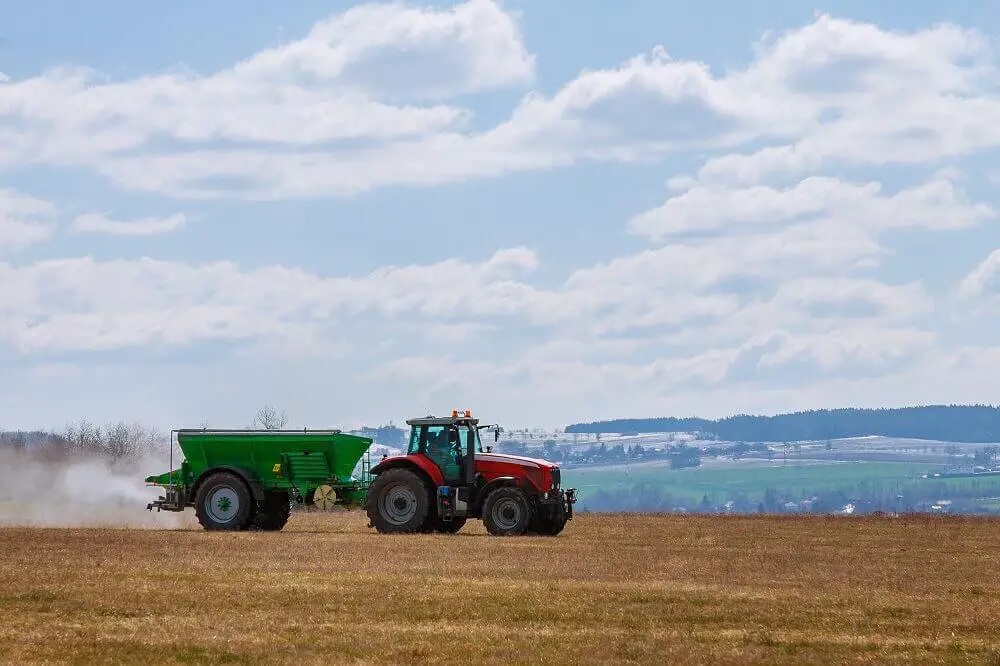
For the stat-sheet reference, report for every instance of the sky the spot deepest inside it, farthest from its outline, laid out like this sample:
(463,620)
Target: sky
(543,212)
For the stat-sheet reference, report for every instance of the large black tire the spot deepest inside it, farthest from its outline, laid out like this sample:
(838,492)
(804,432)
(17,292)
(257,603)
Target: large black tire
(224,503)
(399,501)
(507,512)
(273,516)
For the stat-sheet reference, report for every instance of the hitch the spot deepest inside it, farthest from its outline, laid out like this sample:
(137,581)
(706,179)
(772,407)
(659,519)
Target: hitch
(173,501)
(570,501)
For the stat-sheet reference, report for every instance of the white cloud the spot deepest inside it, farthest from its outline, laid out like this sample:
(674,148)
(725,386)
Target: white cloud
(71,117)
(847,350)
(818,299)
(23,220)
(984,280)
(401,51)
(872,96)
(581,385)
(936,204)
(766,271)
(147,226)
(812,248)
(308,91)
(83,304)
(339,111)
(553,376)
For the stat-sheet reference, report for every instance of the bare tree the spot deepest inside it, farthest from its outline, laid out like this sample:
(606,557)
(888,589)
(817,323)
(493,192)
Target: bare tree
(15,439)
(116,441)
(84,437)
(268,418)
(130,440)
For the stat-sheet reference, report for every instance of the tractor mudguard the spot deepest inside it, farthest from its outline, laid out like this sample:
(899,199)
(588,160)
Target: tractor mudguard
(483,493)
(254,486)
(418,463)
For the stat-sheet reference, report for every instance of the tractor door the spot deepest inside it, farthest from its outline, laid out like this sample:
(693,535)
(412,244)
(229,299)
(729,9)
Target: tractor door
(441,443)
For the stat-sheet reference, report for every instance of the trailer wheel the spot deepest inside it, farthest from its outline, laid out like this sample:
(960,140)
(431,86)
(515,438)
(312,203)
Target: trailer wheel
(506,512)
(273,516)
(398,501)
(224,502)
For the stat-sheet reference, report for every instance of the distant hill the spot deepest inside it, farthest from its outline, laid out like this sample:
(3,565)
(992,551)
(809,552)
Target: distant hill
(950,423)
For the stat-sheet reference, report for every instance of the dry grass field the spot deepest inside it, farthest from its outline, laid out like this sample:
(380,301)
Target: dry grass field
(611,589)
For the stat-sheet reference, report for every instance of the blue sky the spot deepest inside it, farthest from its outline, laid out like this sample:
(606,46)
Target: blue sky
(547,212)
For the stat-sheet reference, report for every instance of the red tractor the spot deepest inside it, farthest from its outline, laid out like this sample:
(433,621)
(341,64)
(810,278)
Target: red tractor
(446,478)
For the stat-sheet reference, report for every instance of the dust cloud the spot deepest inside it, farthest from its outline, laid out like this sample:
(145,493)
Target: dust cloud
(79,491)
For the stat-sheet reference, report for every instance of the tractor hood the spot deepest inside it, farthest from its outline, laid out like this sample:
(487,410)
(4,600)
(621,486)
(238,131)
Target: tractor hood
(515,460)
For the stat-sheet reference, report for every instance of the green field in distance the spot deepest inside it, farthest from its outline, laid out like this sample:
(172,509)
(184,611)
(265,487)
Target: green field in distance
(753,478)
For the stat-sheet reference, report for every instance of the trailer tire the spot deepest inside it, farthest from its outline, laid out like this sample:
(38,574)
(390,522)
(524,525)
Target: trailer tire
(507,512)
(275,512)
(399,501)
(224,503)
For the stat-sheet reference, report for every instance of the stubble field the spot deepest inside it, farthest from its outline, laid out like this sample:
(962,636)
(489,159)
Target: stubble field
(612,588)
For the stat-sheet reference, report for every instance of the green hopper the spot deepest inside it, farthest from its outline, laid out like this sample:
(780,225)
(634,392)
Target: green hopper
(249,479)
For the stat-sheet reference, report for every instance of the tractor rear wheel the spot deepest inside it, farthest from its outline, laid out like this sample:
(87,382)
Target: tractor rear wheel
(224,503)
(398,501)
(507,512)
(273,516)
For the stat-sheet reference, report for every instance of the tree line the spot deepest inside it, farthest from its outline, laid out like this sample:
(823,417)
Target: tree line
(113,441)
(949,423)
(122,440)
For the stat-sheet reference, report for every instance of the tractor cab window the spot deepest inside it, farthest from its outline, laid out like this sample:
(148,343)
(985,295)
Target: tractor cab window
(442,444)
(437,441)
(472,437)
(415,433)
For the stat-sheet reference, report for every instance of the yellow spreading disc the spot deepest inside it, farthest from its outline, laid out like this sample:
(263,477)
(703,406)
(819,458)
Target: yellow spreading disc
(325,497)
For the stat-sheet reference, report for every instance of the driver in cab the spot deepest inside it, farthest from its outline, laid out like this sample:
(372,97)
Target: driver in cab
(444,446)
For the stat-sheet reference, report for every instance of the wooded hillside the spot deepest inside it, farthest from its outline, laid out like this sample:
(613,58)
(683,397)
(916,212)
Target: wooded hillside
(950,423)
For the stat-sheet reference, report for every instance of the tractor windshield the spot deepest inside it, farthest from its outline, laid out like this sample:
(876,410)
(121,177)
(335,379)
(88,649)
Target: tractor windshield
(415,439)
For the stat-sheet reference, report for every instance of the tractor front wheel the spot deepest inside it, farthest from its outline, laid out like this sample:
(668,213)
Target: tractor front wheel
(224,503)
(507,512)
(398,501)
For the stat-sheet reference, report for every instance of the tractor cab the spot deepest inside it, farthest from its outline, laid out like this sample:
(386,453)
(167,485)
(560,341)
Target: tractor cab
(446,477)
(449,443)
